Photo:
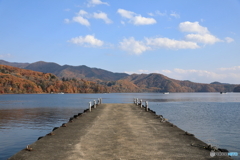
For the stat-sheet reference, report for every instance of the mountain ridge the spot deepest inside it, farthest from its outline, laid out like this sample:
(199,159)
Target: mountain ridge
(155,82)
(81,71)
(14,64)
(122,82)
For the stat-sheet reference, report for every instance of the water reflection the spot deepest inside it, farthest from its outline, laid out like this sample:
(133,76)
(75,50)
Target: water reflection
(212,117)
(216,123)
(34,117)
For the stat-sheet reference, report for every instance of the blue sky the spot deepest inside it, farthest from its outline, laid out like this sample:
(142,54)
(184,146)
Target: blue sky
(186,40)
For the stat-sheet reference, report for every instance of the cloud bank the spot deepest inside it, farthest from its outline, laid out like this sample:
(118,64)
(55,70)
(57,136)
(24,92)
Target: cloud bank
(170,43)
(198,37)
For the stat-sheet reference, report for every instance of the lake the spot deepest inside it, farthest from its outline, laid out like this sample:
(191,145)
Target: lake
(212,117)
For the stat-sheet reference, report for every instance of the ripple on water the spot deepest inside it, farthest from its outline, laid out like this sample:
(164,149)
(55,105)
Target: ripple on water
(211,117)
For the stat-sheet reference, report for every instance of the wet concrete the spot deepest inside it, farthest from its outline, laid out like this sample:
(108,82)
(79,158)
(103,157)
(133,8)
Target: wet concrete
(117,132)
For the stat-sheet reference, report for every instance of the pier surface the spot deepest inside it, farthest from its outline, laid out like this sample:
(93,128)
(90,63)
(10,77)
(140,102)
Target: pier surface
(117,132)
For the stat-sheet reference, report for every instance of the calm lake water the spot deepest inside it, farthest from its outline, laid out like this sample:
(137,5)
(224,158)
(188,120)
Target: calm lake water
(212,117)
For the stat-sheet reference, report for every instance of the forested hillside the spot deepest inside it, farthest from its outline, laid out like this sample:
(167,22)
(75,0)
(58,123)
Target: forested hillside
(16,80)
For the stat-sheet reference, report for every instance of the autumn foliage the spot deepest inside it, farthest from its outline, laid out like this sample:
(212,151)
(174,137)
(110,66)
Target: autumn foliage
(16,80)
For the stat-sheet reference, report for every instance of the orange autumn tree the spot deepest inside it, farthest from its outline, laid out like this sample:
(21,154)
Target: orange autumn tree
(17,80)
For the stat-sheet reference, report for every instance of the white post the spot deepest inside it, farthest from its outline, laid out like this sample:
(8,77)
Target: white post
(98,101)
(94,104)
(90,108)
(141,103)
(146,103)
(137,102)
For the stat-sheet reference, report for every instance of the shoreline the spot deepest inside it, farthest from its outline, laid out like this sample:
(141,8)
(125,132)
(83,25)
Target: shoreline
(111,93)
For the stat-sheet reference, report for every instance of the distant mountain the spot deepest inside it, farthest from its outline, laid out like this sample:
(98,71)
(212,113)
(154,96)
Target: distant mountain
(236,89)
(219,83)
(45,67)
(89,73)
(122,82)
(14,64)
(17,80)
(159,83)
(67,71)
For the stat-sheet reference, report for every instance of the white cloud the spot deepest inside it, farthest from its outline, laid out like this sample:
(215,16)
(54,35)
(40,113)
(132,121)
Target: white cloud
(170,43)
(200,73)
(143,71)
(129,72)
(86,41)
(192,27)
(102,16)
(132,46)
(166,71)
(202,38)
(81,20)
(82,13)
(83,16)
(202,33)
(160,13)
(140,71)
(66,20)
(5,55)
(182,71)
(126,14)
(139,20)
(138,47)
(122,22)
(174,14)
(67,9)
(235,68)
(150,14)
(224,75)
(229,40)
(135,18)
(92,3)
(192,41)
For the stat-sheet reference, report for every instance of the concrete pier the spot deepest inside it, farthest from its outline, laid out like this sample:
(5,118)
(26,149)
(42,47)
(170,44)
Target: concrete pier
(117,132)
